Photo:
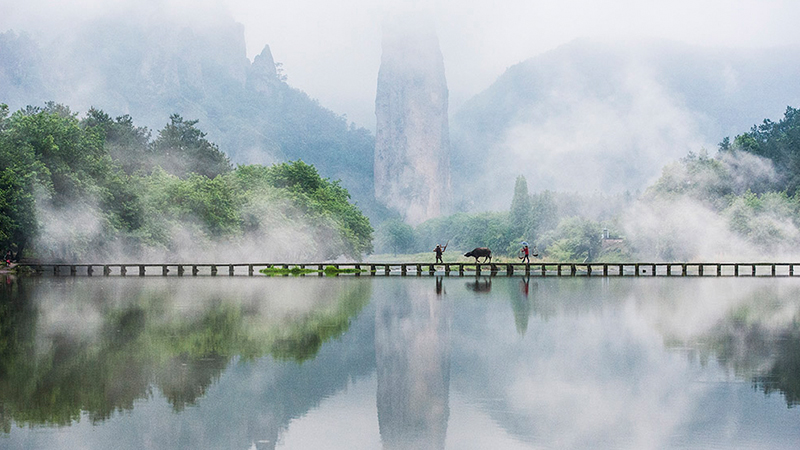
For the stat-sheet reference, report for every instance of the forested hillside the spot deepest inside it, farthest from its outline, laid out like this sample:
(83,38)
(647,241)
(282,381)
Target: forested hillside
(740,204)
(99,188)
(607,116)
(149,69)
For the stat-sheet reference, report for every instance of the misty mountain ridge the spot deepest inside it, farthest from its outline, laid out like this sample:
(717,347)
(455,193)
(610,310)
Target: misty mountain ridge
(596,115)
(150,69)
(589,116)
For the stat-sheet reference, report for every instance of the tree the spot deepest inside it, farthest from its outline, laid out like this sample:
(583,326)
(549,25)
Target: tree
(46,156)
(575,239)
(73,169)
(520,215)
(181,149)
(18,174)
(321,204)
(544,212)
(779,142)
(74,157)
(126,143)
(396,235)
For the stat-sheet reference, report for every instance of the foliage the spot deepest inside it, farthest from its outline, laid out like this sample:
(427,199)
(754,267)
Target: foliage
(520,216)
(575,239)
(296,270)
(467,231)
(322,203)
(127,144)
(769,220)
(544,213)
(333,270)
(778,142)
(183,149)
(750,185)
(396,236)
(86,188)
(145,341)
(697,176)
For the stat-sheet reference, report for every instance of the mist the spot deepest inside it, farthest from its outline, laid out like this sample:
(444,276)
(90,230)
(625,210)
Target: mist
(578,97)
(479,39)
(276,231)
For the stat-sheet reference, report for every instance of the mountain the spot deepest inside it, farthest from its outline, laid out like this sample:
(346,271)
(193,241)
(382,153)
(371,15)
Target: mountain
(412,141)
(150,68)
(607,116)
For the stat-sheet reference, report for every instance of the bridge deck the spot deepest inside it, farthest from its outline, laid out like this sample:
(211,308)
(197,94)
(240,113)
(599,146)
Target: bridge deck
(461,269)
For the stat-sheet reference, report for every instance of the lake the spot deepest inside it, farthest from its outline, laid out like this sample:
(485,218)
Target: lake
(427,362)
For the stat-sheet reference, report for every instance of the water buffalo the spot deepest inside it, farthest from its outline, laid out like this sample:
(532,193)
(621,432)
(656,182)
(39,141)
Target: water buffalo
(480,252)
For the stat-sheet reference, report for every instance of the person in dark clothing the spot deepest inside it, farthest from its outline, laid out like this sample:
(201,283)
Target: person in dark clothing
(438,251)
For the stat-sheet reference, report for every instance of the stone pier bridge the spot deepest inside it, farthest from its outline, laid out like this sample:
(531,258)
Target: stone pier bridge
(543,269)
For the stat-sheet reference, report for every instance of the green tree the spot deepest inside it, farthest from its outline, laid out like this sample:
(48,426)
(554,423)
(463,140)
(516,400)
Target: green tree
(47,157)
(181,149)
(74,158)
(51,161)
(322,204)
(520,215)
(779,142)
(126,143)
(575,239)
(396,235)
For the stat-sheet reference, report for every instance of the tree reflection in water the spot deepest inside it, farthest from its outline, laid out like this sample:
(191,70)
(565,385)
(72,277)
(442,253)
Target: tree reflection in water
(69,347)
(76,348)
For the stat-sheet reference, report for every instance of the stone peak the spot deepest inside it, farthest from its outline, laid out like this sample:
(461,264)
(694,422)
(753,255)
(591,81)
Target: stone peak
(263,62)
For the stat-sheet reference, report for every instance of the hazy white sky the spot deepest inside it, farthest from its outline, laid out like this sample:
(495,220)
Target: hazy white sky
(331,50)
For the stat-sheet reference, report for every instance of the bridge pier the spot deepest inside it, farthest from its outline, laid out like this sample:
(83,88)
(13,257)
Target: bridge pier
(427,268)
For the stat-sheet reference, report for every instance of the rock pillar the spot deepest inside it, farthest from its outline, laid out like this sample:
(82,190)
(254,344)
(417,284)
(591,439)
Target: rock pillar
(412,140)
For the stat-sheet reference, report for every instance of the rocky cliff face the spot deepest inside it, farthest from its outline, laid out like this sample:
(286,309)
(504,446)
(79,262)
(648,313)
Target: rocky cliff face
(150,69)
(412,142)
(263,74)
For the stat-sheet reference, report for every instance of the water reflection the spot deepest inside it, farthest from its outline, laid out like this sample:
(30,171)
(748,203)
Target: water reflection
(530,363)
(439,285)
(95,347)
(412,356)
(481,284)
(522,304)
(784,375)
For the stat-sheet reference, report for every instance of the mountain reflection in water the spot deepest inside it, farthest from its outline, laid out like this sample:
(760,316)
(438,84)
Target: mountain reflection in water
(412,356)
(391,362)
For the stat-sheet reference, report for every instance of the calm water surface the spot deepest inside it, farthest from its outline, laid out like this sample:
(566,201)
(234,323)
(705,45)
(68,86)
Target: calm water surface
(399,363)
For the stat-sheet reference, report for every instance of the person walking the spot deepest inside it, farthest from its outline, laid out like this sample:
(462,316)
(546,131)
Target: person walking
(438,251)
(526,253)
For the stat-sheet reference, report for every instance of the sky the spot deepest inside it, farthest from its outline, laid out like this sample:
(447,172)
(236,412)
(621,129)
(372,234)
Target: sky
(331,50)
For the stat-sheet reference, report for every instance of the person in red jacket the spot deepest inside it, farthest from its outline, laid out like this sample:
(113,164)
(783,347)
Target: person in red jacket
(526,253)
